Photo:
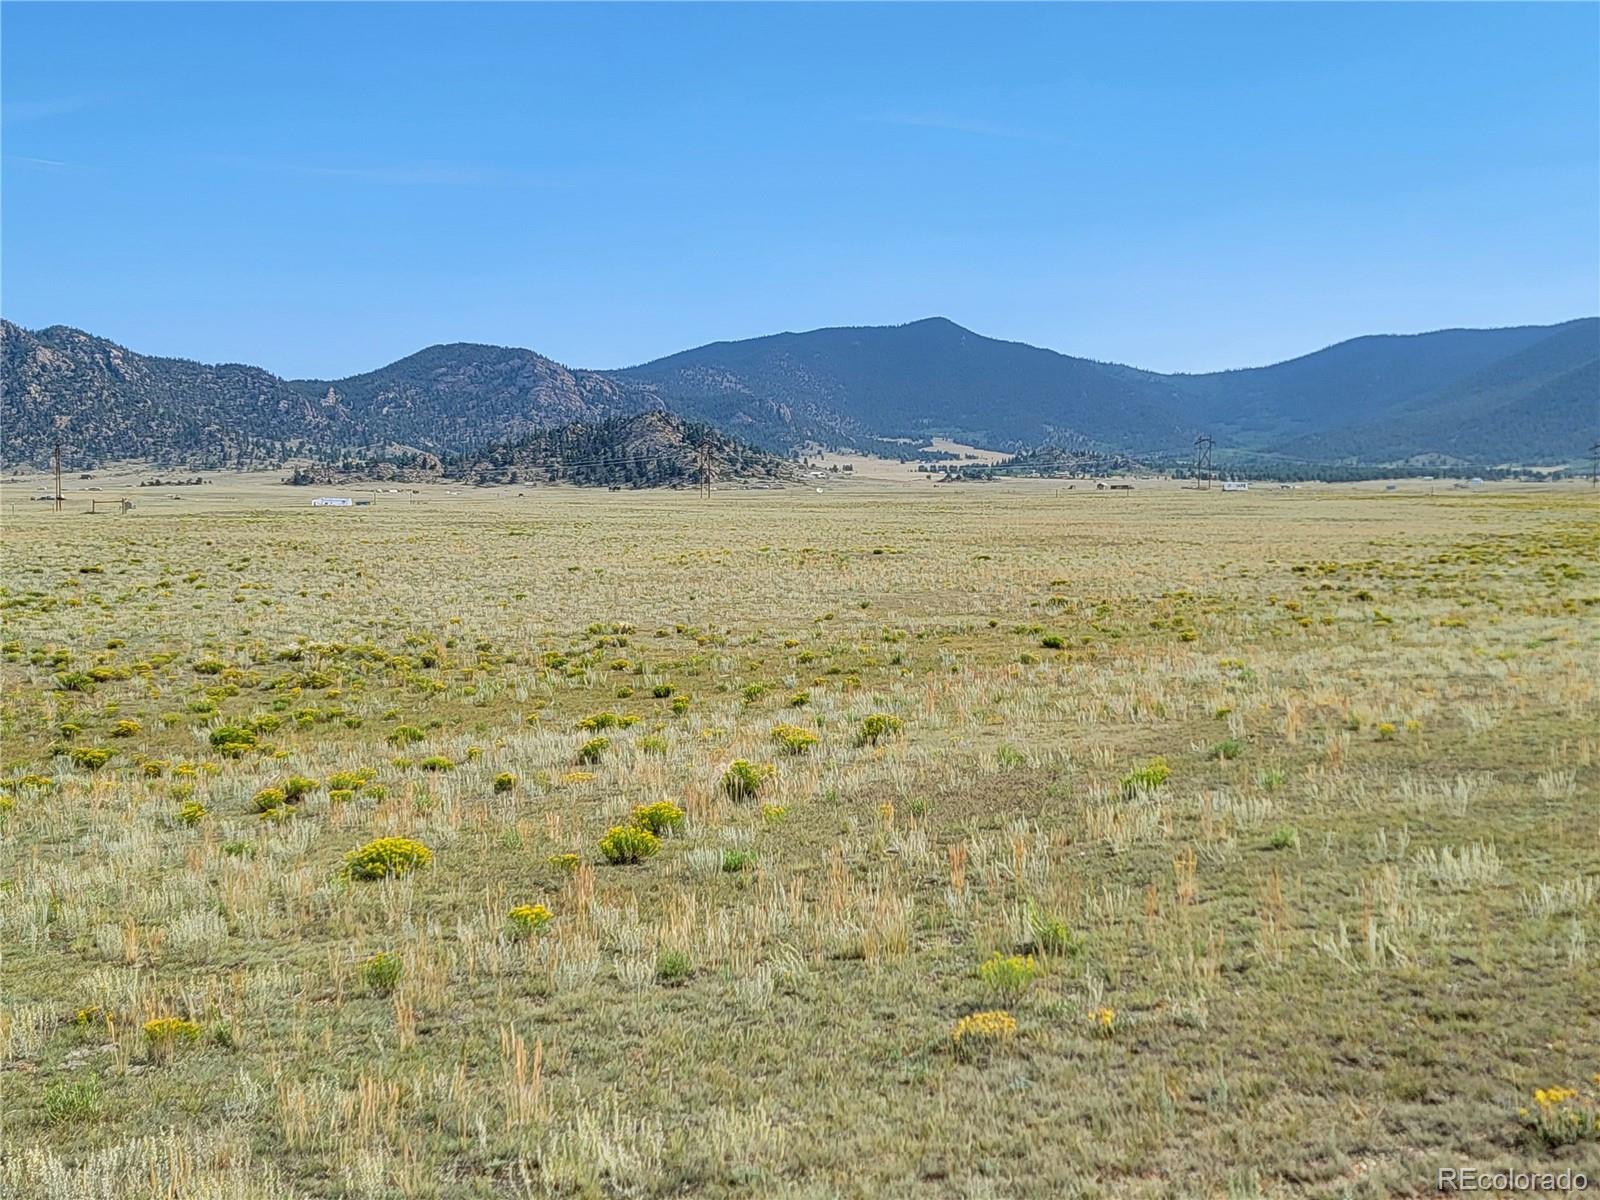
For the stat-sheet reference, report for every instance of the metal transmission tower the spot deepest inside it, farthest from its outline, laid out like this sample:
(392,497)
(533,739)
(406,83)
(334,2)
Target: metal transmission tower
(707,468)
(1202,460)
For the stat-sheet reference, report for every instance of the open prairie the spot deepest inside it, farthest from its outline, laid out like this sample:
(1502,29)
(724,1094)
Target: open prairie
(1003,841)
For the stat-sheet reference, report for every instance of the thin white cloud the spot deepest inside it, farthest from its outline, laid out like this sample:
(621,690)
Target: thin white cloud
(44,164)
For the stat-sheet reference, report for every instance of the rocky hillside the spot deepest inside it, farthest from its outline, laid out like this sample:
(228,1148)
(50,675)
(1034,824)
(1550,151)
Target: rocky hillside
(653,449)
(108,403)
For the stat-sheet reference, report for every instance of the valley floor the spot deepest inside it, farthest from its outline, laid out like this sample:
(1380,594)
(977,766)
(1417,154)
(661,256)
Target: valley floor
(1264,827)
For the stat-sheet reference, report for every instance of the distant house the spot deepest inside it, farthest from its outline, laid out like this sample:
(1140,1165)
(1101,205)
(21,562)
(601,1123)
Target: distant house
(332,502)
(1231,485)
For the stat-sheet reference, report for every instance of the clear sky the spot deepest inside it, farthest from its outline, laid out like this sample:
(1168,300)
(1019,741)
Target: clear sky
(321,189)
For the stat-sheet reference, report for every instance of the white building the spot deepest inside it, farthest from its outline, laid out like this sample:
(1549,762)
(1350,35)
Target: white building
(332,502)
(1233,485)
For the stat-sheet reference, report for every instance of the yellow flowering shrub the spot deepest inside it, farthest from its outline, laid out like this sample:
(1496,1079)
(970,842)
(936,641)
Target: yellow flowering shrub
(165,1034)
(387,857)
(659,817)
(1561,1116)
(981,1031)
(792,739)
(1008,975)
(529,918)
(628,844)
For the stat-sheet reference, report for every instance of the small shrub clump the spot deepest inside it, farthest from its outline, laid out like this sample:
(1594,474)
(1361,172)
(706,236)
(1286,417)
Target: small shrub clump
(735,861)
(529,918)
(625,844)
(504,782)
(673,967)
(660,817)
(381,973)
(879,727)
(980,1031)
(1008,974)
(592,750)
(268,800)
(89,758)
(232,740)
(1052,935)
(792,739)
(595,722)
(298,787)
(164,1035)
(1147,777)
(1562,1116)
(1226,749)
(742,780)
(386,857)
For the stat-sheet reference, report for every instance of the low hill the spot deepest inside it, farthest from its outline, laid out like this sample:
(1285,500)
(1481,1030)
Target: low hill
(653,449)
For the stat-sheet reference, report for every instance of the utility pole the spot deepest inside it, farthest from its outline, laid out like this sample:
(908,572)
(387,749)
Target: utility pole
(1202,460)
(58,497)
(1594,464)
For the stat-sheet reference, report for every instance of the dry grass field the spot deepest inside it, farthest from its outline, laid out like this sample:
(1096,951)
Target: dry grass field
(1008,842)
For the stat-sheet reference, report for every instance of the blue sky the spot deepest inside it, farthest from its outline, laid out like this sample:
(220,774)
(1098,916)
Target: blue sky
(322,189)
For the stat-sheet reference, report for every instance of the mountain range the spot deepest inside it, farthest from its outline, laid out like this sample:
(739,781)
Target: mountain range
(1526,395)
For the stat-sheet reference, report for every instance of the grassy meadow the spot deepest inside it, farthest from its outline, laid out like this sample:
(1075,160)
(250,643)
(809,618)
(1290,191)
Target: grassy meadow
(996,842)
